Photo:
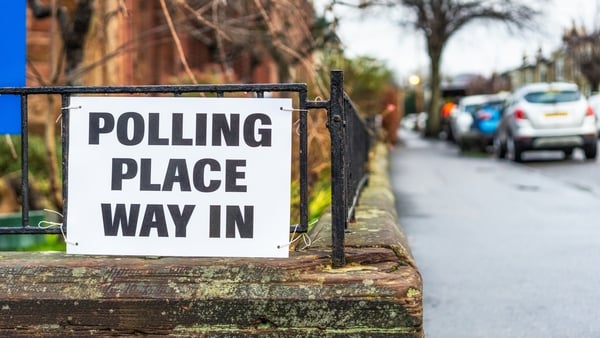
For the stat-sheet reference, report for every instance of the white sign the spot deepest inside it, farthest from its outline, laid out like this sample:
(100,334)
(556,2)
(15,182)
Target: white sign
(177,176)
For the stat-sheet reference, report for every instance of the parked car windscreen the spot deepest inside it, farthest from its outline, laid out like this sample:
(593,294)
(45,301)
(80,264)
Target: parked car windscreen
(498,105)
(553,96)
(472,108)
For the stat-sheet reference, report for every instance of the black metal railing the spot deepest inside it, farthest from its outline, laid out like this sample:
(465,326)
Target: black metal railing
(358,154)
(350,141)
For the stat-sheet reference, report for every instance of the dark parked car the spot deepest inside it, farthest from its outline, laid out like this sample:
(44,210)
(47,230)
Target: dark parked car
(475,119)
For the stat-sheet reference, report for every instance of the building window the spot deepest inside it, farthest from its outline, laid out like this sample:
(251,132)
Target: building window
(528,75)
(543,73)
(560,69)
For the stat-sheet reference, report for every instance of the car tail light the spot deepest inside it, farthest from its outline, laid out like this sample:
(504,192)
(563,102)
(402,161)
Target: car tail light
(589,111)
(520,114)
(483,115)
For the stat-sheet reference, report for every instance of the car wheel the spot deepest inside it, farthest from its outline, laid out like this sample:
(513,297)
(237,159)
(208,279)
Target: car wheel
(513,150)
(462,145)
(591,151)
(499,147)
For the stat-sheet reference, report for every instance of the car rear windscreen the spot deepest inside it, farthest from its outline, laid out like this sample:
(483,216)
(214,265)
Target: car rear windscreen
(474,108)
(553,96)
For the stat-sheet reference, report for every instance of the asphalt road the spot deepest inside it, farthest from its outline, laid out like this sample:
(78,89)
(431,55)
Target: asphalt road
(505,250)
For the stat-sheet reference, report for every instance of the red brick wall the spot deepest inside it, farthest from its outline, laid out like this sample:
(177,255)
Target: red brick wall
(133,45)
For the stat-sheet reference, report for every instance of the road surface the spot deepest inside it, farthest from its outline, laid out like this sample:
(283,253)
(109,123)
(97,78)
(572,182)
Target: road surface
(505,250)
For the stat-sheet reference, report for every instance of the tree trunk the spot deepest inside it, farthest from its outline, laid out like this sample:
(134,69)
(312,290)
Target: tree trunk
(51,156)
(594,85)
(74,33)
(434,120)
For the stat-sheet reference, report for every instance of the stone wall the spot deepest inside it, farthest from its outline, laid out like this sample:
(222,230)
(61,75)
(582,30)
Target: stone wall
(378,292)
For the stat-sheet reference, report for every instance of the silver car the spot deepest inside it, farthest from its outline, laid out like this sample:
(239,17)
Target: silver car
(546,116)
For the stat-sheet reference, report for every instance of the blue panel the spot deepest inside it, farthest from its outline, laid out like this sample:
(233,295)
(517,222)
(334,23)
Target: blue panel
(12,62)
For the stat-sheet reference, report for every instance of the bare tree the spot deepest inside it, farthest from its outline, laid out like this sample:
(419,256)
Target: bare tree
(278,29)
(439,20)
(584,49)
(73,31)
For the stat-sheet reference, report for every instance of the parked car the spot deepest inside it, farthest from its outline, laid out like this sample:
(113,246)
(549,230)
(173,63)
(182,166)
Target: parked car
(546,116)
(475,119)
(409,122)
(422,121)
(594,102)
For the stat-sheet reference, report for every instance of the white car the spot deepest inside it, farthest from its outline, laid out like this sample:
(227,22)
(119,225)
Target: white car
(546,116)
(594,102)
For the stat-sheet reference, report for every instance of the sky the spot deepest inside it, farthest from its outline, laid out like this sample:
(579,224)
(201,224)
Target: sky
(481,48)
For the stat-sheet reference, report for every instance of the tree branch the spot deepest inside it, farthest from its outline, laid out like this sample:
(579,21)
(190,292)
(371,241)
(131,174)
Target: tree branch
(177,42)
(39,10)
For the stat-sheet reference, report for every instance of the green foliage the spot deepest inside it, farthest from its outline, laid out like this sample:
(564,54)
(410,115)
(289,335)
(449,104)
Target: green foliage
(319,198)
(30,242)
(49,243)
(365,81)
(37,160)
(37,163)
(37,155)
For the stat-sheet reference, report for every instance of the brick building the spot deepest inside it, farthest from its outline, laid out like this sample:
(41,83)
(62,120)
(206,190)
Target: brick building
(130,42)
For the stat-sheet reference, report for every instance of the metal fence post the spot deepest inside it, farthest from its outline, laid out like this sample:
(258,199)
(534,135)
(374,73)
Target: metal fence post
(337,130)
(303,151)
(24,162)
(65,115)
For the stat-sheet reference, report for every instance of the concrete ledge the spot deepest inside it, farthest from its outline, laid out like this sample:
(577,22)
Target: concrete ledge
(378,293)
